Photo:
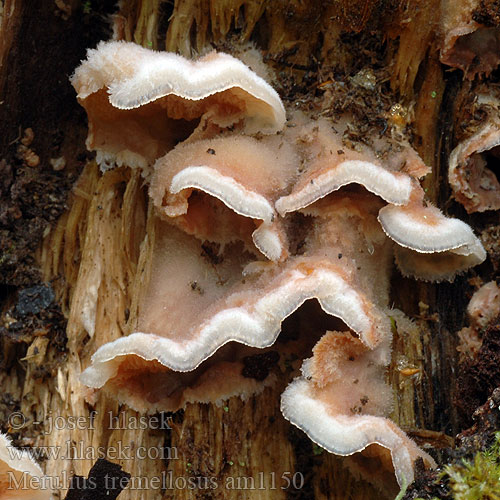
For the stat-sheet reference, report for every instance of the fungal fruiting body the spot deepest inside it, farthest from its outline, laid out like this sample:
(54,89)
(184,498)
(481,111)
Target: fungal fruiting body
(473,162)
(20,476)
(238,298)
(484,306)
(430,246)
(355,418)
(140,103)
(482,310)
(219,170)
(466,42)
(329,165)
(247,228)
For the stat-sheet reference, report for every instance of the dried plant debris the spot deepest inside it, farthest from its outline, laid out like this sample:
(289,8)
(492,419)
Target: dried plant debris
(490,239)
(105,480)
(34,299)
(31,199)
(479,349)
(225,266)
(364,93)
(487,13)
(33,324)
(41,122)
(486,423)
(479,374)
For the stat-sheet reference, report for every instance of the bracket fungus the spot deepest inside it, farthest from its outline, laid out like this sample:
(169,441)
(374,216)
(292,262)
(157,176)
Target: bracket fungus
(330,165)
(247,175)
(343,384)
(470,41)
(430,246)
(140,103)
(482,311)
(248,228)
(484,306)
(473,166)
(20,476)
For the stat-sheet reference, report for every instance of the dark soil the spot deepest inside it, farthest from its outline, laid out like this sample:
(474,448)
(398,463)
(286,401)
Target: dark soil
(259,366)
(31,199)
(488,13)
(479,376)
(35,94)
(46,48)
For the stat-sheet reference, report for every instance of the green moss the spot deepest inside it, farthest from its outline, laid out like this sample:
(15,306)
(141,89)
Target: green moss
(317,450)
(404,487)
(394,327)
(478,479)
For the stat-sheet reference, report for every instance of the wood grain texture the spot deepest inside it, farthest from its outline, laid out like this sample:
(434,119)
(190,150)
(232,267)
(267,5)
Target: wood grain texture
(242,449)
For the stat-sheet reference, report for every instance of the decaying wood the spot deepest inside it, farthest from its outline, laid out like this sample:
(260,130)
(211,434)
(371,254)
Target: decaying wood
(103,240)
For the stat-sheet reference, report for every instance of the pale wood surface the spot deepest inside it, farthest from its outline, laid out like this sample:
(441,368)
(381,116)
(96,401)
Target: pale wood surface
(102,235)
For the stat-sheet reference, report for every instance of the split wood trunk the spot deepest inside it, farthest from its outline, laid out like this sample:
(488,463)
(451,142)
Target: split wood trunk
(244,449)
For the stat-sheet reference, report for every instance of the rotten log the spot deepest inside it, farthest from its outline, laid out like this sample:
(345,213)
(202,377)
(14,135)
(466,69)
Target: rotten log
(56,223)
